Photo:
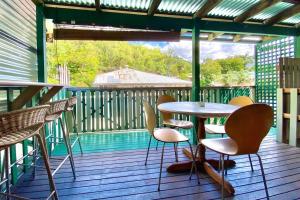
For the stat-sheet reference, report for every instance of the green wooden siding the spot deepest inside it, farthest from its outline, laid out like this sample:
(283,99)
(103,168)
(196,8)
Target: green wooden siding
(18,60)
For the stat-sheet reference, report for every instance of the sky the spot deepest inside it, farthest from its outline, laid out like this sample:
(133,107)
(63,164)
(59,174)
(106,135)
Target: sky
(212,50)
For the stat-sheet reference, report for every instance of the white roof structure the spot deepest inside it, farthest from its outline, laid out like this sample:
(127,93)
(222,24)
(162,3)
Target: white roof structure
(127,77)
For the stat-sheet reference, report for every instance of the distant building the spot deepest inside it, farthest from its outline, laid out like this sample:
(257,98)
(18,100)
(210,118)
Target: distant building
(127,77)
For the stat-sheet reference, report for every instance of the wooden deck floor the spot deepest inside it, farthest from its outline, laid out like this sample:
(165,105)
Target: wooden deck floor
(123,175)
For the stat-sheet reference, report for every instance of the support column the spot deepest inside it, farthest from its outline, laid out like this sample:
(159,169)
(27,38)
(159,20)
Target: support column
(195,73)
(297,47)
(41,43)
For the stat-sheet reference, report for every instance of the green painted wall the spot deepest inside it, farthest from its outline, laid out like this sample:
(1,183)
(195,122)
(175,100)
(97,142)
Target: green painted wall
(18,59)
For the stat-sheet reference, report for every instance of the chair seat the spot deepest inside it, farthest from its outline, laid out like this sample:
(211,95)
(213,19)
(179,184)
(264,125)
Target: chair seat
(15,137)
(214,129)
(221,145)
(169,135)
(178,123)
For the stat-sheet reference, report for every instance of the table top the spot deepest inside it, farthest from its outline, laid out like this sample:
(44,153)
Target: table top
(194,108)
(26,84)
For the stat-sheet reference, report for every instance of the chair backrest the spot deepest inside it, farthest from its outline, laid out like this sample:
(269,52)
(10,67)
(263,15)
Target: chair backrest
(18,120)
(71,102)
(56,109)
(150,117)
(241,101)
(248,126)
(165,99)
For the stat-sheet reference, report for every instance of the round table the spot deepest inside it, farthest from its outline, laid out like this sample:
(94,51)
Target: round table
(209,110)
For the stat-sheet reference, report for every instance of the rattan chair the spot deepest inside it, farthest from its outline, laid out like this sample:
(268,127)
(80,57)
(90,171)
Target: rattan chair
(165,135)
(70,108)
(55,113)
(15,127)
(169,121)
(246,128)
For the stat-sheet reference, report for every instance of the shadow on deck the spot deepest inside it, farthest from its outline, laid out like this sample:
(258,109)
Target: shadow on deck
(121,174)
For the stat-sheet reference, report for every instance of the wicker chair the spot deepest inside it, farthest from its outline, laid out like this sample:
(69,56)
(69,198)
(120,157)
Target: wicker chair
(15,127)
(70,108)
(55,112)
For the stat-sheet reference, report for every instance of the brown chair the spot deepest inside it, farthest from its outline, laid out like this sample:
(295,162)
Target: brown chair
(15,127)
(55,112)
(71,102)
(168,120)
(165,135)
(246,128)
(219,129)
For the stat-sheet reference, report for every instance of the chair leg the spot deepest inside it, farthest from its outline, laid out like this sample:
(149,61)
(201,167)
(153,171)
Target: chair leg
(263,175)
(68,146)
(76,130)
(176,152)
(35,153)
(222,161)
(156,145)
(148,149)
(6,162)
(226,169)
(194,162)
(249,156)
(47,165)
(161,163)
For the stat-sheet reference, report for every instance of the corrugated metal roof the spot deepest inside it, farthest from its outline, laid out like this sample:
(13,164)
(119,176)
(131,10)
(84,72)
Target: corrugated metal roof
(225,9)
(232,8)
(73,2)
(273,10)
(293,20)
(126,5)
(184,6)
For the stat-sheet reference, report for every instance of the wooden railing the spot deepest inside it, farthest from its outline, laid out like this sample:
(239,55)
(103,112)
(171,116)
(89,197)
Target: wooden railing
(103,109)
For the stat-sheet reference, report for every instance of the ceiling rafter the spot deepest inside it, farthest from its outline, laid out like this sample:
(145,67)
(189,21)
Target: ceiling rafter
(38,1)
(153,7)
(287,13)
(213,36)
(206,8)
(97,5)
(257,8)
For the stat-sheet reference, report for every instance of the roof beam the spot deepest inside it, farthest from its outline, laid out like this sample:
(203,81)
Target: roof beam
(89,17)
(206,8)
(153,7)
(283,15)
(76,34)
(257,8)
(97,5)
(213,36)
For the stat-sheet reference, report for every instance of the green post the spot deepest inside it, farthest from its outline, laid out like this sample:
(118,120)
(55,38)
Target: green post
(195,72)
(41,43)
(13,151)
(297,47)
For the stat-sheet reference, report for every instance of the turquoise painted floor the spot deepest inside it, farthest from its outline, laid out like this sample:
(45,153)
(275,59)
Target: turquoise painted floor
(119,140)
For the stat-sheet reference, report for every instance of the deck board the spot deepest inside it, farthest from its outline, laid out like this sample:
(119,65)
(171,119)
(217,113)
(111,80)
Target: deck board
(123,175)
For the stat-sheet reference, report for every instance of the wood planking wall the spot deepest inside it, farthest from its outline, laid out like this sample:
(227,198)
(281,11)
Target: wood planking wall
(18,57)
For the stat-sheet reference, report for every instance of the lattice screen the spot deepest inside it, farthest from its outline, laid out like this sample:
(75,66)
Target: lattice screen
(267,59)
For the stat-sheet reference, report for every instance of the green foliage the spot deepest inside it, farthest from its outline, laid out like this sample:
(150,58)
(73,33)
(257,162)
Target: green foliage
(235,70)
(86,59)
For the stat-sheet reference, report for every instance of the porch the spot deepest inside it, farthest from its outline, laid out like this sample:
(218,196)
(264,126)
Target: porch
(112,167)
